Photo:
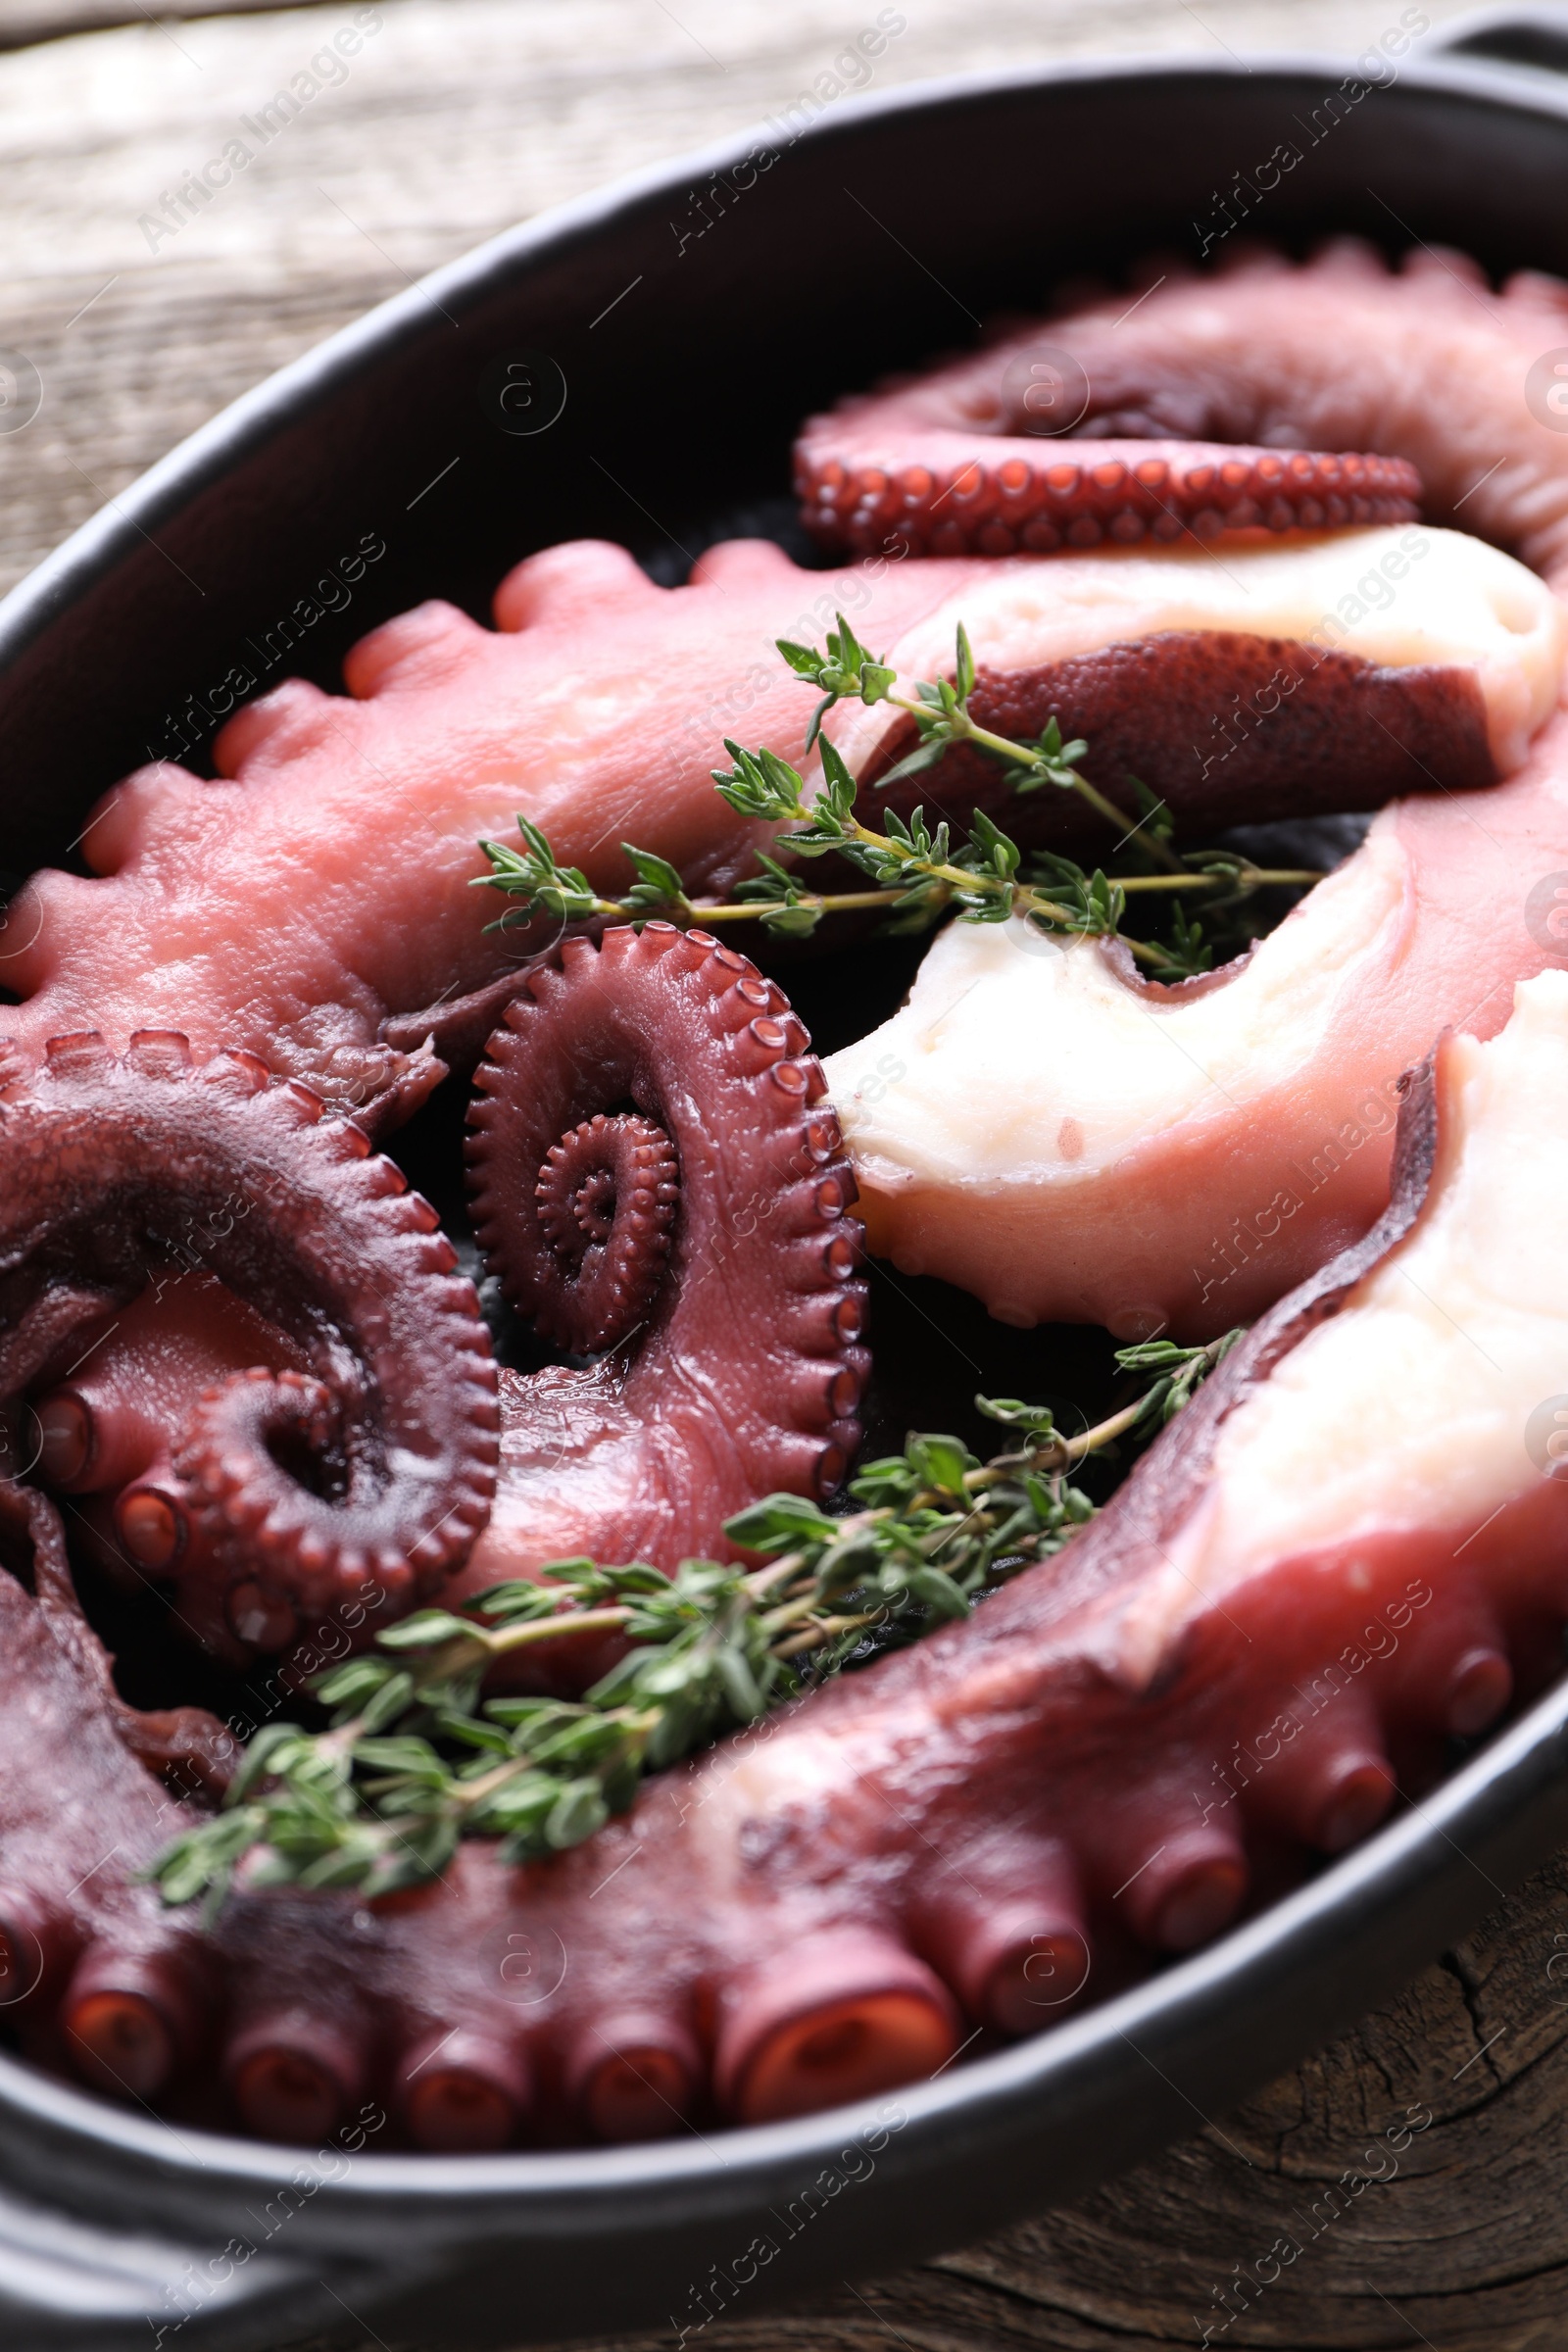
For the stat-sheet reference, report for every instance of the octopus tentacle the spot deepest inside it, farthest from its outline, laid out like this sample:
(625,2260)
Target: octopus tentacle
(1060,1147)
(334,1422)
(1341,354)
(98,1978)
(1105,1189)
(1276,1622)
(702,1238)
(193,914)
(1331,1564)
(1251,366)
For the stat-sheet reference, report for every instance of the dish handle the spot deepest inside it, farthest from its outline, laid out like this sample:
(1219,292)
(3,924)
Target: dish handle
(1511,35)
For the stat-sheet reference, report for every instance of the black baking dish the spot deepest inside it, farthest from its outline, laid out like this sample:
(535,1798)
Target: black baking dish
(694,315)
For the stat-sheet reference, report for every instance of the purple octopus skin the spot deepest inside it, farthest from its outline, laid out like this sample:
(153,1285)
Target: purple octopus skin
(698,1243)
(355,1435)
(699,1249)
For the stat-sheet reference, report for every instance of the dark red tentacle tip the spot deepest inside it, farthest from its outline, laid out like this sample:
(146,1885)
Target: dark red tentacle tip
(634,2076)
(37,1945)
(1478,1689)
(1015,1954)
(465,2093)
(293,2076)
(1188,1893)
(131,2020)
(607,1195)
(838,2016)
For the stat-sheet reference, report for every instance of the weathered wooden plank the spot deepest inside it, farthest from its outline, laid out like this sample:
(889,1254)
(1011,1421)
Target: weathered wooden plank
(24,21)
(453,120)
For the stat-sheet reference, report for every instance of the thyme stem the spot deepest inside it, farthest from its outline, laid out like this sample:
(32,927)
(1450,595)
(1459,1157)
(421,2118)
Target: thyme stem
(918,874)
(964,730)
(417,1758)
(549,1629)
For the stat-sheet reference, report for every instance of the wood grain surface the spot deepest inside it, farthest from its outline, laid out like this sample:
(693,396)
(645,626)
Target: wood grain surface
(1405,2186)
(455,119)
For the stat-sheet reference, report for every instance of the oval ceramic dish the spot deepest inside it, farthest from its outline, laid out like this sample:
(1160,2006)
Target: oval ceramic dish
(688,353)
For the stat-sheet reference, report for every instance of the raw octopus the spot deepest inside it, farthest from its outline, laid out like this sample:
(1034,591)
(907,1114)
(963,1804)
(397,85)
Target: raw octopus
(1073,1142)
(1341,352)
(597,704)
(1348,1549)
(767,1933)
(905,461)
(1328,674)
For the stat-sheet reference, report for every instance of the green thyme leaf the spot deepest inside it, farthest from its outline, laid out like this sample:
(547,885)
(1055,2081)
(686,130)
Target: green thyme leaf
(658,889)
(1038,1419)
(426,1629)
(964,666)
(576,1813)
(779,1523)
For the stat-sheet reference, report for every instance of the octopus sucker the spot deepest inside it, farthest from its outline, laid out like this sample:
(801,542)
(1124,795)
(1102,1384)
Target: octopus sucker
(658,1182)
(277,1379)
(907,464)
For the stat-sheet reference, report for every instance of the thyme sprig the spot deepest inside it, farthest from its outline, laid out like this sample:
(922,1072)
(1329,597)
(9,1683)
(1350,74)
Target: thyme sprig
(939,709)
(416,1757)
(922,871)
(917,874)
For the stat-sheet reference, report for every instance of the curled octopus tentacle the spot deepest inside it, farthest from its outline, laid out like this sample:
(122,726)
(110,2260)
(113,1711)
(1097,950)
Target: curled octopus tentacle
(1204,408)
(967,1836)
(656,1183)
(239,1336)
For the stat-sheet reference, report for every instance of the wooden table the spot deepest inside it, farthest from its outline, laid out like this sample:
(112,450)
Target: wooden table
(457,118)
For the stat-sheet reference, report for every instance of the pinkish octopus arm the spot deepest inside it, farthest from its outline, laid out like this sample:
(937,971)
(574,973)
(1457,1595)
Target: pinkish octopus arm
(1428,364)
(597,706)
(1346,1550)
